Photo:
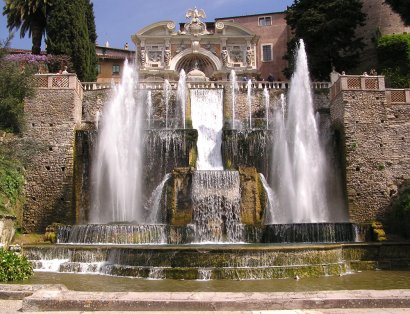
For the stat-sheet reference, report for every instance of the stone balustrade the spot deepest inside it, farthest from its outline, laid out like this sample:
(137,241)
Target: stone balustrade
(242,85)
(59,81)
(369,83)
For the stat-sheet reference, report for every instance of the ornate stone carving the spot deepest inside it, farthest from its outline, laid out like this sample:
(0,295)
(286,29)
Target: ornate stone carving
(154,56)
(224,55)
(142,58)
(236,56)
(195,27)
(249,57)
(171,26)
(167,57)
(219,25)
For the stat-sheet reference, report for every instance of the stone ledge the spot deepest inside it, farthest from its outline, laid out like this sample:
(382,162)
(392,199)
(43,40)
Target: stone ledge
(19,292)
(55,300)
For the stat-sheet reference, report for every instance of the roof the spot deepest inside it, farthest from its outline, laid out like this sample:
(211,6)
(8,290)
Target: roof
(260,14)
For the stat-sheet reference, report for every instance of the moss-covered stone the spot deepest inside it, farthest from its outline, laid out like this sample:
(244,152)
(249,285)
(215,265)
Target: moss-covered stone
(179,201)
(251,208)
(378,231)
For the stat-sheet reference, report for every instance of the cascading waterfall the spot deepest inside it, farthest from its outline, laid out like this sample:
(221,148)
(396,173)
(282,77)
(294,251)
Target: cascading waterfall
(207,118)
(181,95)
(298,175)
(271,211)
(167,92)
(117,169)
(266,99)
(97,119)
(216,206)
(154,202)
(249,102)
(149,108)
(234,87)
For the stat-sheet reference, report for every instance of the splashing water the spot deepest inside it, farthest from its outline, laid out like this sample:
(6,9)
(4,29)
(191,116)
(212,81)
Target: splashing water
(167,92)
(181,95)
(153,204)
(249,102)
(149,109)
(299,172)
(234,87)
(207,118)
(266,99)
(117,173)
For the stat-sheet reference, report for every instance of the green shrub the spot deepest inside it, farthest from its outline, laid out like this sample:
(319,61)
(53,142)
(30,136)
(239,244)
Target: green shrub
(14,267)
(401,212)
(393,53)
(11,186)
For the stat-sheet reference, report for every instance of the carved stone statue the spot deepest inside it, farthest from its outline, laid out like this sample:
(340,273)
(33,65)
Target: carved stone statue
(142,58)
(195,27)
(224,55)
(249,57)
(167,57)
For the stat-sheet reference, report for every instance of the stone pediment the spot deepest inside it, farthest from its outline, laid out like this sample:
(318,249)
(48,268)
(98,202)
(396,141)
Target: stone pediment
(162,28)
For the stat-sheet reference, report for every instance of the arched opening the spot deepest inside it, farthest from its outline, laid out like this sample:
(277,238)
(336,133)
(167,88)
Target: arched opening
(198,61)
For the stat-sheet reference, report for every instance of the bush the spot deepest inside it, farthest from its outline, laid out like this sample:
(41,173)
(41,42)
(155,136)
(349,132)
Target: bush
(401,212)
(14,267)
(393,53)
(11,186)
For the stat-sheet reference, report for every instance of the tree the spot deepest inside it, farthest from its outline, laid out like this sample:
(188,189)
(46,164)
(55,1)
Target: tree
(71,31)
(16,83)
(397,69)
(30,16)
(402,7)
(328,29)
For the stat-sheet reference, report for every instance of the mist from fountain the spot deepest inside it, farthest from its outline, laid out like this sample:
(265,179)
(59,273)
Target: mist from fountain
(117,169)
(299,174)
(181,96)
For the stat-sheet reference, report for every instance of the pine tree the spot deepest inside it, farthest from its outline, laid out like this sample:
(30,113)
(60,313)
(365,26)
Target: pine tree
(71,31)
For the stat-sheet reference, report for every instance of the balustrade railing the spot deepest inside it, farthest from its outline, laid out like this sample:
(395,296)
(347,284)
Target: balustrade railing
(357,82)
(242,85)
(58,81)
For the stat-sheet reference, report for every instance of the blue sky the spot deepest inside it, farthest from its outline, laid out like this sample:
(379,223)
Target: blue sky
(117,20)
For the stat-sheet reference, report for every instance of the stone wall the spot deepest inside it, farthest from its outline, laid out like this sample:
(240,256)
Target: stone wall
(51,118)
(376,150)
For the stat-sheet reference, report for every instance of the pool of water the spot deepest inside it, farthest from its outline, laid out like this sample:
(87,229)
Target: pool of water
(377,280)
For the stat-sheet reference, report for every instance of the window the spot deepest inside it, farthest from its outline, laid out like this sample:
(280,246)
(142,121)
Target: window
(98,69)
(115,69)
(265,21)
(267,53)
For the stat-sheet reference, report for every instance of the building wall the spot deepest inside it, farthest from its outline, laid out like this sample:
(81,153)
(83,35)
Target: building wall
(51,118)
(375,147)
(275,34)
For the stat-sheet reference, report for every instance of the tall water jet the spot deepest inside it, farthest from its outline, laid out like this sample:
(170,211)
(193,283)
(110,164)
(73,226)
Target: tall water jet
(181,95)
(266,99)
(249,102)
(149,108)
(207,118)
(298,156)
(167,92)
(234,85)
(117,170)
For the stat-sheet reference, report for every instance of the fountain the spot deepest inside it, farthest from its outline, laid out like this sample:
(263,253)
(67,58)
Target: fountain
(206,186)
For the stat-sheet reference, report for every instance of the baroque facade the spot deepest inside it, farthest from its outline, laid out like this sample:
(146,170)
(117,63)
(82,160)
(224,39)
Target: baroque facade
(216,48)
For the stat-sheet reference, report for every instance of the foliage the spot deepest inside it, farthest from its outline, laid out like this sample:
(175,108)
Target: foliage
(71,31)
(397,69)
(15,86)
(328,29)
(30,16)
(402,7)
(401,212)
(52,63)
(14,267)
(11,185)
